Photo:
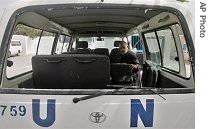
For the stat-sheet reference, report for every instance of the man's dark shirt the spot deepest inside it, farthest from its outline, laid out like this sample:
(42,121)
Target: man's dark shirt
(131,58)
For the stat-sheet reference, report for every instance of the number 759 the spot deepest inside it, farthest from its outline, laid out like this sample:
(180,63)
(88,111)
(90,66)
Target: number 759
(13,110)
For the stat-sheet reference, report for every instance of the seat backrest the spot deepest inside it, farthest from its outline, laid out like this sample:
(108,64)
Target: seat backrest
(101,51)
(71,71)
(150,74)
(116,43)
(81,45)
(121,73)
(115,53)
(81,48)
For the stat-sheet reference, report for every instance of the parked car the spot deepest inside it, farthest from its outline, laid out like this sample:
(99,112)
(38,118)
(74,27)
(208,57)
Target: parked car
(15,48)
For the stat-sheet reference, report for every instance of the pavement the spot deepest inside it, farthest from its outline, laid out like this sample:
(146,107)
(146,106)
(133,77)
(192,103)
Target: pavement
(21,64)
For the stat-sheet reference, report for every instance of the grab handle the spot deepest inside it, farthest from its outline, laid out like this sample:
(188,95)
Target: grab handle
(84,61)
(54,61)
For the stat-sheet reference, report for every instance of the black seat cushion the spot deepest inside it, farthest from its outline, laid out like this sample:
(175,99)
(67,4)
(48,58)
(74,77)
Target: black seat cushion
(121,73)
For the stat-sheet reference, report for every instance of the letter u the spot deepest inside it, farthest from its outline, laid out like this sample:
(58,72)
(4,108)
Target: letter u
(50,119)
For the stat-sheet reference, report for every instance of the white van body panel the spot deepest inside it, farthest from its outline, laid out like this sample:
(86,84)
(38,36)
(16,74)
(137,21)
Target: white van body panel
(169,113)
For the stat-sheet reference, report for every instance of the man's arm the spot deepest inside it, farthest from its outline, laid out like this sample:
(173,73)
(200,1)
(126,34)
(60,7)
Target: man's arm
(135,66)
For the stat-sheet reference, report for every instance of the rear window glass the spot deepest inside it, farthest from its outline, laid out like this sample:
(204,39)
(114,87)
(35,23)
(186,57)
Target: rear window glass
(99,42)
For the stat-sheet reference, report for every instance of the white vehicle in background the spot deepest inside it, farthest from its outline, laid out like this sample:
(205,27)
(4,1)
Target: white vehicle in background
(15,48)
(61,82)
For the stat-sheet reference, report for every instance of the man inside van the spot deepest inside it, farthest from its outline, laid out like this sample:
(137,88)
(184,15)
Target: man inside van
(130,58)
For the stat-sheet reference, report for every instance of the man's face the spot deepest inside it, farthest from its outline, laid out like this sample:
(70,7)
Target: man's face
(123,48)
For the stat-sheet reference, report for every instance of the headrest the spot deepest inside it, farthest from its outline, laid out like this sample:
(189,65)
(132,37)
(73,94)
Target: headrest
(81,44)
(102,51)
(116,43)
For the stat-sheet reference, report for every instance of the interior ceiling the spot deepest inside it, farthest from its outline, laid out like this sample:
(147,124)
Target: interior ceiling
(94,18)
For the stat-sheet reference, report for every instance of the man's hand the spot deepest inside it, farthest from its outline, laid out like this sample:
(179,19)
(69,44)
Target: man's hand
(133,66)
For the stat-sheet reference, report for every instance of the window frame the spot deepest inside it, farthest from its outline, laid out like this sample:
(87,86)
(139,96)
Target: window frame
(24,73)
(176,51)
(10,26)
(36,53)
(147,48)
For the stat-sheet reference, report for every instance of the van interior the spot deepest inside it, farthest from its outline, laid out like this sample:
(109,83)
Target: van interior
(77,47)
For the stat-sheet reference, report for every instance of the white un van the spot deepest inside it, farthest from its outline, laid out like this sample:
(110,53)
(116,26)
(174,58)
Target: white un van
(70,74)
(15,48)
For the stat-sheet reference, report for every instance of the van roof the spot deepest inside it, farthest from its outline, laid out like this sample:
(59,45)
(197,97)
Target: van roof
(83,16)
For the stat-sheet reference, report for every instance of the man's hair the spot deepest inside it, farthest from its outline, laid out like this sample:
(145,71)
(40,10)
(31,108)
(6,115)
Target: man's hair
(123,42)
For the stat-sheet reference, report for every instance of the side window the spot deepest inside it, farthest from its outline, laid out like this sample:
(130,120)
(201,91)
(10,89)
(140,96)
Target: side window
(62,44)
(46,43)
(23,46)
(185,51)
(136,43)
(163,51)
(168,49)
(152,44)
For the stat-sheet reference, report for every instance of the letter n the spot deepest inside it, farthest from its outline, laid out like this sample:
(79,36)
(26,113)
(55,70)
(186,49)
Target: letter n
(50,119)
(146,116)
